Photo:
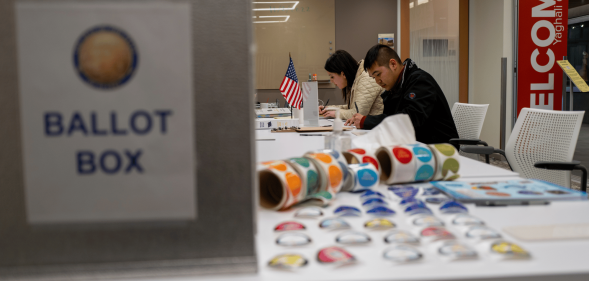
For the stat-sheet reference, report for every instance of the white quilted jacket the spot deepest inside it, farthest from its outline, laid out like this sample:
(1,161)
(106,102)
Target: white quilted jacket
(366,93)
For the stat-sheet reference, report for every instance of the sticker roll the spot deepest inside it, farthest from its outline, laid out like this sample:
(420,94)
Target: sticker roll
(280,185)
(366,176)
(398,164)
(425,162)
(447,161)
(308,173)
(331,176)
(360,155)
(341,161)
(349,182)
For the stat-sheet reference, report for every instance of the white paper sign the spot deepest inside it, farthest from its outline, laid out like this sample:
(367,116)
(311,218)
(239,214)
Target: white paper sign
(106,106)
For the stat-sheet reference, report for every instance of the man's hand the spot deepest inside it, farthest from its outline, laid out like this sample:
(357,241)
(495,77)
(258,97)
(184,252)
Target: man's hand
(355,120)
(329,114)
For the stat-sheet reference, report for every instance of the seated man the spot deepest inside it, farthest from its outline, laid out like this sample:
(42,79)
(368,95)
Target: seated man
(409,90)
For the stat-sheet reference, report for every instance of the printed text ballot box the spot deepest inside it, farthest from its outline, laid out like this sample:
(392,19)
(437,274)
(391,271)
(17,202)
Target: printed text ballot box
(106,98)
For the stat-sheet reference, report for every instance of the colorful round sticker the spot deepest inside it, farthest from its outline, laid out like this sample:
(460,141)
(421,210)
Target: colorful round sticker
(288,261)
(309,212)
(436,233)
(352,237)
(289,226)
(482,232)
(347,211)
(457,250)
(370,193)
(293,239)
(367,178)
(335,255)
(379,223)
(427,220)
(463,219)
(402,254)
(402,154)
(483,187)
(374,201)
(333,224)
(509,249)
(380,211)
(401,237)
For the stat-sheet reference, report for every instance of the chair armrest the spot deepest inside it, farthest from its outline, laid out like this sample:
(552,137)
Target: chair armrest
(481,149)
(566,166)
(467,142)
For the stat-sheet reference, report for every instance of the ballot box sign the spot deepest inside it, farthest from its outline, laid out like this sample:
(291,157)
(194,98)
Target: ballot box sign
(106,96)
(542,40)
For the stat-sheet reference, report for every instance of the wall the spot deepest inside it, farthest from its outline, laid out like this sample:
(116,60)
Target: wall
(486,40)
(357,24)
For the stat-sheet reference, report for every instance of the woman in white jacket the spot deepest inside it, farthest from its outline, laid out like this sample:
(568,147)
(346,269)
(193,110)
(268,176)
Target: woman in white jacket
(357,87)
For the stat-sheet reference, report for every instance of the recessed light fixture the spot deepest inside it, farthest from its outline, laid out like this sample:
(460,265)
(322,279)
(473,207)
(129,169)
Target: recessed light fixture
(573,27)
(272,21)
(294,4)
(581,25)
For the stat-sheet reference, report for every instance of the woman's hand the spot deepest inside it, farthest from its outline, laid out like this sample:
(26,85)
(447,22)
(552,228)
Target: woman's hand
(329,114)
(321,111)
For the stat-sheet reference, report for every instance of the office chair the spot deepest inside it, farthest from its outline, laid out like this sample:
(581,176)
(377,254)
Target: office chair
(541,146)
(469,119)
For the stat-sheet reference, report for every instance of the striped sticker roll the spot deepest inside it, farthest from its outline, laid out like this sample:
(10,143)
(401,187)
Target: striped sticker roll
(349,182)
(331,175)
(447,161)
(341,161)
(360,155)
(398,164)
(366,176)
(280,185)
(425,162)
(308,173)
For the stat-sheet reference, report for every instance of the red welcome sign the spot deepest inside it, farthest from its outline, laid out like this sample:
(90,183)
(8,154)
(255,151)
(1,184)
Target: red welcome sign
(542,40)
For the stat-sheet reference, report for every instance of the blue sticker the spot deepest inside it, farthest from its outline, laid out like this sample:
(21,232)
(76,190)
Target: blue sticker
(406,192)
(422,153)
(346,209)
(374,201)
(418,210)
(367,177)
(370,193)
(363,164)
(435,200)
(381,211)
(426,172)
(452,204)
(417,204)
(410,200)
(431,191)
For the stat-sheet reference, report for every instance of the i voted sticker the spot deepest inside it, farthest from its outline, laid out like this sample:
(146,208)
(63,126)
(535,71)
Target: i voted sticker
(482,233)
(367,178)
(309,212)
(293,239)
(288,261)
(335,255)
(379,223)
(402,254)
(333,224)
(352,237)
(374,201)
(289,226)
(347,211)
(401,237)
(370,193)
(380,211)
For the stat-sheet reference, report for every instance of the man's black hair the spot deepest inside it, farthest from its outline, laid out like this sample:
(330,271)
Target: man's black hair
(381,54)
(342,61)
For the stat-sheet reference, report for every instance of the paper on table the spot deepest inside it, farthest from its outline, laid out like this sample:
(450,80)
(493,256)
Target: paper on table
(393,130)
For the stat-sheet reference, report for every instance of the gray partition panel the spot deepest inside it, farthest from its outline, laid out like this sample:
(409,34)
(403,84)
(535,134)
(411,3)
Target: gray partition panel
(222,237)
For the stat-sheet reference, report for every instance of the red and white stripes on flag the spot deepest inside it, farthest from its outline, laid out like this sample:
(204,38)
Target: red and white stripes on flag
(290,88)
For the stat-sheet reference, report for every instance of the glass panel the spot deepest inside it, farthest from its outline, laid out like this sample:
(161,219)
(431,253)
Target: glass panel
(434,42)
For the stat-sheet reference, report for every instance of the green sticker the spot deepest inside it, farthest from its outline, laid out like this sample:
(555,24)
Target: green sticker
(450,164)
(453,177)
(323,194)
(312,181)
(301,161)
(445,149)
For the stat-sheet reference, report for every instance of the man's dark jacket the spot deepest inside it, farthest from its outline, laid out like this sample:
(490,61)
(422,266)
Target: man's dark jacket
(417,94)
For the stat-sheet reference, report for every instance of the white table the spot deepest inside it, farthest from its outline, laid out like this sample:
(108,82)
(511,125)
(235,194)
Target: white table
(554,260)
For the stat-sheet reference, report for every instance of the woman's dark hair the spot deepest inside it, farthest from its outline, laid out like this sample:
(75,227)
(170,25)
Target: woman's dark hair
(342,61)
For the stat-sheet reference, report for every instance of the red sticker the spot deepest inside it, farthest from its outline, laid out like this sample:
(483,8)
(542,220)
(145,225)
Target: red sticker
(358,150)
(402,154)
(368,159)
(289,225)
(334,255)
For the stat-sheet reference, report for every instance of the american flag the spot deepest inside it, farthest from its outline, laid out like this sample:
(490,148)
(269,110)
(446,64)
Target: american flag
(290,87)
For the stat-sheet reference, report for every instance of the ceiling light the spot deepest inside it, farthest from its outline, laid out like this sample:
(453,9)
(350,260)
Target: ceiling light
(573,27)
(419,2)
(295,3)
(272,21)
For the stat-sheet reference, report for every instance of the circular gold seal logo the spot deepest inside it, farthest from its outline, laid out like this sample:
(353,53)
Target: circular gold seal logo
(105,57)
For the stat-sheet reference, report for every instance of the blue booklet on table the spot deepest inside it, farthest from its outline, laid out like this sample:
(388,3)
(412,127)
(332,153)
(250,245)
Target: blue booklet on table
(519,192)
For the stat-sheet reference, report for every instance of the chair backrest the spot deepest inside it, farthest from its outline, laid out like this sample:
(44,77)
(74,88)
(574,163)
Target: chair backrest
(544,135)
(469,119)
